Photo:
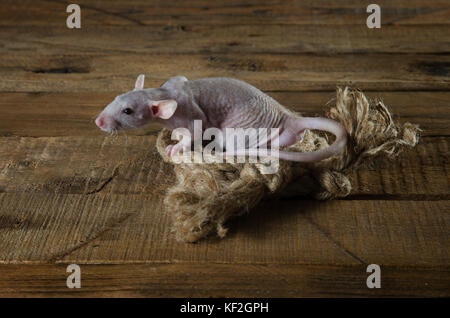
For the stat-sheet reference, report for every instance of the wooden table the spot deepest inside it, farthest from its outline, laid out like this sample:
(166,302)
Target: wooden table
(70,194)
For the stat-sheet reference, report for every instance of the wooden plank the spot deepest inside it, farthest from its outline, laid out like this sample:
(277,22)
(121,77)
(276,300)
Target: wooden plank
(71,114)
(132,165)
(234,39)
(119,229)
(85,72)
(82,165)
(142,12)
(420,174)
(214,280)
(427,109)
(347,232)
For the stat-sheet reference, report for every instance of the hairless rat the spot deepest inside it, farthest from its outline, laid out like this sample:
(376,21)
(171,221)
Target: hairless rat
(219,103)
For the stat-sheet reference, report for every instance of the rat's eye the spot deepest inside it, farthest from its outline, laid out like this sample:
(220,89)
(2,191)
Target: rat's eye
(128,111)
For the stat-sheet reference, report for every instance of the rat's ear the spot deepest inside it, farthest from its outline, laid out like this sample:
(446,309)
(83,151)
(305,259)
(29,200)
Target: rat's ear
(139,82)
(163,108)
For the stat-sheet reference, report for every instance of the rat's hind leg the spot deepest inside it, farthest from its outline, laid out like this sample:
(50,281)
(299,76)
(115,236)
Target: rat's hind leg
(288,137)
(292,131)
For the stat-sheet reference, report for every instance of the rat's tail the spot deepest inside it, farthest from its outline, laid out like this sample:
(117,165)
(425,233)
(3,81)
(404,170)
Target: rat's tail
(298,125)
(318,123)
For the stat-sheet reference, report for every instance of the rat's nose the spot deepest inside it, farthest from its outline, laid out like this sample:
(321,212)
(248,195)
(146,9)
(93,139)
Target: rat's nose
(99,122)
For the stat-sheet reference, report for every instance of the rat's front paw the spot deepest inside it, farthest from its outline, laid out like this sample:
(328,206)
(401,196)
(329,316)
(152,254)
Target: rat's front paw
(169,150)
(172,150)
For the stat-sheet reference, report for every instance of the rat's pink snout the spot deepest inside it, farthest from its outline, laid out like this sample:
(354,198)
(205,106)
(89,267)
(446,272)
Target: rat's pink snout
(106,122)
(100,122)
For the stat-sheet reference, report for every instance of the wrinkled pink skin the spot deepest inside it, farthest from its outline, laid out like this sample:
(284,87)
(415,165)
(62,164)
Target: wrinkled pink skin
(219,103)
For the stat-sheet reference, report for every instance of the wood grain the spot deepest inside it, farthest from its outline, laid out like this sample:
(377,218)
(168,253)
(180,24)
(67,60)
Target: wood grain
(71,114)
(267,12)
(81,73)
(213,39)
(220,280)
(106,228)
(131,165)
(69,194)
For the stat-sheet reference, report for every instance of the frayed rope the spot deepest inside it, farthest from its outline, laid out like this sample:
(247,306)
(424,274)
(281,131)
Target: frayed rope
(207,195)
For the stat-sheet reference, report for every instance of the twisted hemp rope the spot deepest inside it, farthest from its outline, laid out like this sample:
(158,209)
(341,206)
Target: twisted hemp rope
(207,195)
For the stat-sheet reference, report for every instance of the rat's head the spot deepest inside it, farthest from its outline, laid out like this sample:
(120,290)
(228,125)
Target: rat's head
(135,108)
